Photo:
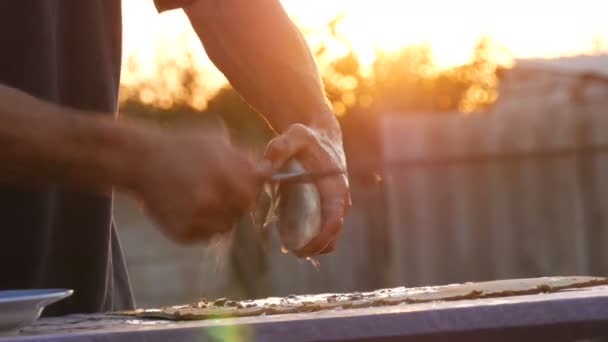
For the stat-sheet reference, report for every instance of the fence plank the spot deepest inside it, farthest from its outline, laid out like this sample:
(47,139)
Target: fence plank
(491,195)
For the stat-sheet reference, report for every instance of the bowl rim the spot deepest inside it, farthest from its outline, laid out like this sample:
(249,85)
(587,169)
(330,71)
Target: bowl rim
(36,294)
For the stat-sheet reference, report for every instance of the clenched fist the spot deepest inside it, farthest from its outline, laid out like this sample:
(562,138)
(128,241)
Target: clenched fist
(318,148)
(196,184)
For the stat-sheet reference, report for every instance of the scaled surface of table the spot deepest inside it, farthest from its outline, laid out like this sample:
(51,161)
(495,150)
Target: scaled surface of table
(572,315)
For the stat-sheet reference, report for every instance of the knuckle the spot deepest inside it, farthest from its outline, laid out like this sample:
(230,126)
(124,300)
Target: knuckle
(296,128)
(272,143)
(276,146)
(302,132)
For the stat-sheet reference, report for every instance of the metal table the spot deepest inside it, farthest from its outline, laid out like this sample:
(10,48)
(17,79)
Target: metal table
(573,315)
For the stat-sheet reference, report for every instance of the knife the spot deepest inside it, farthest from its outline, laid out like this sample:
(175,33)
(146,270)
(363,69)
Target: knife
(304,176)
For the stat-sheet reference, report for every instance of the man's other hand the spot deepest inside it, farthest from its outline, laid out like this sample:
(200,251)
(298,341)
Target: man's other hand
(196,184)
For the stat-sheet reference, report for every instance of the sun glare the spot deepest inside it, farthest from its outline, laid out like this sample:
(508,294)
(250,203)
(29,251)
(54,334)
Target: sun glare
(525,28)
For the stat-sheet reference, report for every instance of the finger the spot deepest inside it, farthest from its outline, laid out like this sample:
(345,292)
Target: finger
(279,150)
(330,248)
(335,201)
(301,143)
(288,145)
(330,229)
(322,241)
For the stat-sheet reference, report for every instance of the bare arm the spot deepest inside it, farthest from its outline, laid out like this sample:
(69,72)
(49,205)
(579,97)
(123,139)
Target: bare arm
(45,143)
(266,59)
(193,194)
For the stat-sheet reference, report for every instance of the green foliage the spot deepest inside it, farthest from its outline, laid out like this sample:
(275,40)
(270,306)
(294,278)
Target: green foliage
(170,105)
(405,81)
(245,125)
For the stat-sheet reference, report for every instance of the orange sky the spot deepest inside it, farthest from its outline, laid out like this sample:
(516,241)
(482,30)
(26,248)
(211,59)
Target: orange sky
(527,28)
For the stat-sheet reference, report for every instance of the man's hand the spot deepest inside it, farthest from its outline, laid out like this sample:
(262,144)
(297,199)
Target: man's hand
(267,60)
(317,149)
(197,185)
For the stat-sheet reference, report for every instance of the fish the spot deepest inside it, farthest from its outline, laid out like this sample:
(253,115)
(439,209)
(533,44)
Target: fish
(299,210)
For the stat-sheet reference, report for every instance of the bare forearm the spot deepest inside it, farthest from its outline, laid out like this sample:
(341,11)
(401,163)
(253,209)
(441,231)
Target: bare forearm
(43,143)
(265,57)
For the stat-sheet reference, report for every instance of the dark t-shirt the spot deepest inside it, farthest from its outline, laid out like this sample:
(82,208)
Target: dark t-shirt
(67,52)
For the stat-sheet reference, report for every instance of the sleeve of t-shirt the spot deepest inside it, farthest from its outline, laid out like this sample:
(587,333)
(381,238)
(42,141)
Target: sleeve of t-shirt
(165,5)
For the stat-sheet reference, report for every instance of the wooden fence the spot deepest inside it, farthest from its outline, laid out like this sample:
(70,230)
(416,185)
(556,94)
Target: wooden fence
(463,198)
(520,191)
(497,195)
(468,198)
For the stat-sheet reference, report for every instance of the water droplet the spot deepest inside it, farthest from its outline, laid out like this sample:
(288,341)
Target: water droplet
(314,262)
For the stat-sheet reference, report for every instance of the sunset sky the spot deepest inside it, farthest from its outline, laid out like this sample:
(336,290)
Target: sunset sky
(525,28)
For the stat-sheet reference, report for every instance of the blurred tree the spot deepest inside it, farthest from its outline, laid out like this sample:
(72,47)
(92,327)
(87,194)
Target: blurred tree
(175,99)
(246,126)
(406,81)
(480,78)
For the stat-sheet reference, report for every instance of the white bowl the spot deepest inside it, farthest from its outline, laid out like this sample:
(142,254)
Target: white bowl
(19,308)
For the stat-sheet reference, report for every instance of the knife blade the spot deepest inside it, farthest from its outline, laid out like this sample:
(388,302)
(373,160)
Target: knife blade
(304,176)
